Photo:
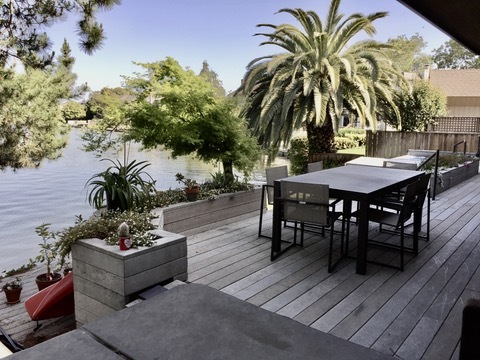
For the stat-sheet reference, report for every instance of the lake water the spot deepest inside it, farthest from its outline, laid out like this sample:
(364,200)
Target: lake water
(54,193)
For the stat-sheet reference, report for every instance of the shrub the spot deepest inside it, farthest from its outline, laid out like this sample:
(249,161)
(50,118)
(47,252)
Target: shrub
(357,135)
(298,155)
(208,190)
(342,143)
(105,227)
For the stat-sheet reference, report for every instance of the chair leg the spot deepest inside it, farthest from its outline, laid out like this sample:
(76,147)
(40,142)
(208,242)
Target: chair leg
(262,205)
(330,252)
(402,244)
(428,216)
(343,236)
(302,229)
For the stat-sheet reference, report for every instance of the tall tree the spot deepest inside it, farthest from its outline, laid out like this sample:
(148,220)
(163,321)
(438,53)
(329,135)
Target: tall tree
(66,59)
(418,107)
(212,77)
(180,110)
(452,55)
(22,23)
(316,78)
(407,52)
(64,63)
(31,122)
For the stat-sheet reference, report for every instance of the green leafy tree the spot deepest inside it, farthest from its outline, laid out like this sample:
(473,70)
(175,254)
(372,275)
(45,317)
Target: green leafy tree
(212,77)
(66,59)
(73,110)
(107,100)
(22,22)
(107,108)
(452,55)
(418,107)
(180,110)
(407,52)
(64,63)
(31,122)
(316,77)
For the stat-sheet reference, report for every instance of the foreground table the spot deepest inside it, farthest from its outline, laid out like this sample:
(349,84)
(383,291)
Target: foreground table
(349,183)
(197,322)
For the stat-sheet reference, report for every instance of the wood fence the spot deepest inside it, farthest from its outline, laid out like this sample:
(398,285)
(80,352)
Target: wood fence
(390,144)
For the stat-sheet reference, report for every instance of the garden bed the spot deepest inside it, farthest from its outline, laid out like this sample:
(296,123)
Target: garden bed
(182,217)
(451,177)
(454,168)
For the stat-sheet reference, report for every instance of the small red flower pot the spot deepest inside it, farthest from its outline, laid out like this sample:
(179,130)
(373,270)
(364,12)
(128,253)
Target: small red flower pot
(125,243)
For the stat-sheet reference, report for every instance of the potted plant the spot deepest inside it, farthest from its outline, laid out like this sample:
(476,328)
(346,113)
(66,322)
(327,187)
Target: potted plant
(124,236)
(192,189)
(121,187)
(48,254)
(12,290)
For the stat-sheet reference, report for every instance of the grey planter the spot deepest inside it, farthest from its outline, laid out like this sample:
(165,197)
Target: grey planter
(183,217)
(106,278)
(455,176)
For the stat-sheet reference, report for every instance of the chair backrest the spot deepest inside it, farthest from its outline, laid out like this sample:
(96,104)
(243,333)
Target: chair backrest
(399,165)
(423,185)
(315,166)
(274,173)
(305,202)
(408,203)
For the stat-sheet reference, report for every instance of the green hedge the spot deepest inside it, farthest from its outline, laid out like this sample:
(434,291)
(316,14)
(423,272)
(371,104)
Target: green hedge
(348,138)
(298,155)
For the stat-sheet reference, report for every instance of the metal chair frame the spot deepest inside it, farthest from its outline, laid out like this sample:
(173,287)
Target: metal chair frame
(315,166)
(308,204)
(272,174)
(396,219)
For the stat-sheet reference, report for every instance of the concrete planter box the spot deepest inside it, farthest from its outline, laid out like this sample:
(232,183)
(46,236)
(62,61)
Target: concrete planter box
(454,176)
(183,217)
(106,278)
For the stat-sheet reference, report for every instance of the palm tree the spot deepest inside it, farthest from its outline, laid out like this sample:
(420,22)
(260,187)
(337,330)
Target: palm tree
(316,78)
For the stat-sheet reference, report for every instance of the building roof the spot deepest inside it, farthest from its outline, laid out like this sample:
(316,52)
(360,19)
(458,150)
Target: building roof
(457,18)
(457,82)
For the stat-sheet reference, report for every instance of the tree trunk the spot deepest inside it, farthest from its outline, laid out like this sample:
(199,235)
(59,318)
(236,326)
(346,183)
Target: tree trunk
(321,139)
(228,172)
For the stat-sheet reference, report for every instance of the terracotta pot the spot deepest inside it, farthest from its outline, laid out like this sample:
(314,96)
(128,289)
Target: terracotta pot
(13,295)
(43,282)
(192,193)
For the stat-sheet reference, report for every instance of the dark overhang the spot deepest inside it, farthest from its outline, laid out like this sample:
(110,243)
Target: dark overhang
(460,19)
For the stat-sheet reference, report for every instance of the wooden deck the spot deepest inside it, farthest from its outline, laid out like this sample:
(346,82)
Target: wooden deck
(414,314)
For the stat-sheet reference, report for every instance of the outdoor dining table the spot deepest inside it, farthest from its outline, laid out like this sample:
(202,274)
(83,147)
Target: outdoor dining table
(348,183)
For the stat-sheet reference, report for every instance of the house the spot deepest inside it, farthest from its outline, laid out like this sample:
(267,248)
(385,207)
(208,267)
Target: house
(462,88)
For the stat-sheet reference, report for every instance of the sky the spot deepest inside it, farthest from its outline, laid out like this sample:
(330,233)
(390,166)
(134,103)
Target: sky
(218,31)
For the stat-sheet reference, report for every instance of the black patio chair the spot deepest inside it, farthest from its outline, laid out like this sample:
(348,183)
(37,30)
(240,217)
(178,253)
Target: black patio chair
(272,174)
(315,166)
(395,216)
(309,204)
(422,193)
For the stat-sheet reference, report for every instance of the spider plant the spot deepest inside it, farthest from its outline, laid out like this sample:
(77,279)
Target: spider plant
(122,187)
